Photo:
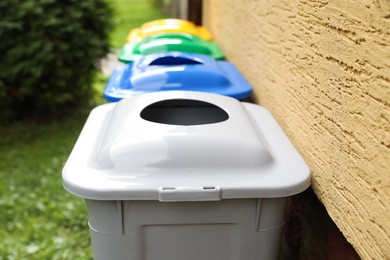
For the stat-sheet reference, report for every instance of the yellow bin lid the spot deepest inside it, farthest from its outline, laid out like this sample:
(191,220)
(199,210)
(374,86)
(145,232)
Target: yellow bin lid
(168,26)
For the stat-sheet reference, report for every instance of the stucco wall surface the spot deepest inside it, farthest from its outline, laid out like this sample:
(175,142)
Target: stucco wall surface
(323,68)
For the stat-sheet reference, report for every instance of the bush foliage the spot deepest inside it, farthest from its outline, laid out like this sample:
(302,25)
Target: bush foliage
(49,52)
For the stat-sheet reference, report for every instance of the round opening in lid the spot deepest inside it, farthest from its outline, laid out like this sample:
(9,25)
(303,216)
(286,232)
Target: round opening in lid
(184,112)
(173,61)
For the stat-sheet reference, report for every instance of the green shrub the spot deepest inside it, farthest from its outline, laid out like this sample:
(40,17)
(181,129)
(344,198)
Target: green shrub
(49,52)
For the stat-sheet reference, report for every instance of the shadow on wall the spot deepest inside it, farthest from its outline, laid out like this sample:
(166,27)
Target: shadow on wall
(310,233)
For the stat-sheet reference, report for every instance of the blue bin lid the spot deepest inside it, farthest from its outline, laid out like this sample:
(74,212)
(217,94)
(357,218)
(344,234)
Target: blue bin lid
(176,71)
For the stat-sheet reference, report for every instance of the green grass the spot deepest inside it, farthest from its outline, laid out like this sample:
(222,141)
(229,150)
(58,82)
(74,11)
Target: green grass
(98,86)
(38,218)
(131,14)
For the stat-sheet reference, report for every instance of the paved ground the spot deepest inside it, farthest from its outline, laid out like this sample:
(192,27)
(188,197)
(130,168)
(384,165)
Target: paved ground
(109,63)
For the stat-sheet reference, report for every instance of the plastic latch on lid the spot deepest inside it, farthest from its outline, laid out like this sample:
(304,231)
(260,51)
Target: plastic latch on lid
(206,193)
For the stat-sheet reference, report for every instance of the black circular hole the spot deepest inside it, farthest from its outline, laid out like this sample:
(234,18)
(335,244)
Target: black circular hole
(172,60)
(184,112)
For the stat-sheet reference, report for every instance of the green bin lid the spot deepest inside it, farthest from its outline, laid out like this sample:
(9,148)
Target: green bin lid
(166,42)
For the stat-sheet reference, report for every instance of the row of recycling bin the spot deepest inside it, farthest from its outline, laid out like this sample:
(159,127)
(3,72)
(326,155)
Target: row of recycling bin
(182,174)
(173,54)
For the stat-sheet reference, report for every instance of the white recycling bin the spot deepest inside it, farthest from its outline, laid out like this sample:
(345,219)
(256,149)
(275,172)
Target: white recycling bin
(184,175)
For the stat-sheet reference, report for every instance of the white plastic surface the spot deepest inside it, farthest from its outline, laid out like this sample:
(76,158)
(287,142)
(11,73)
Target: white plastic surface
(241,229)
(122,156)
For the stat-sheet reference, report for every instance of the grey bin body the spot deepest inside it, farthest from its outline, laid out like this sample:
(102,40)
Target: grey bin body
(184,175)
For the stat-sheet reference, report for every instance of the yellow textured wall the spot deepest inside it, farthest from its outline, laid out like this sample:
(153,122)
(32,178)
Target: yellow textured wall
(323,69)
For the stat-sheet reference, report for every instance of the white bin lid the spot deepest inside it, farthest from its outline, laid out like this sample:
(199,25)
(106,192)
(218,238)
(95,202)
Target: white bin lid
(183,146)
